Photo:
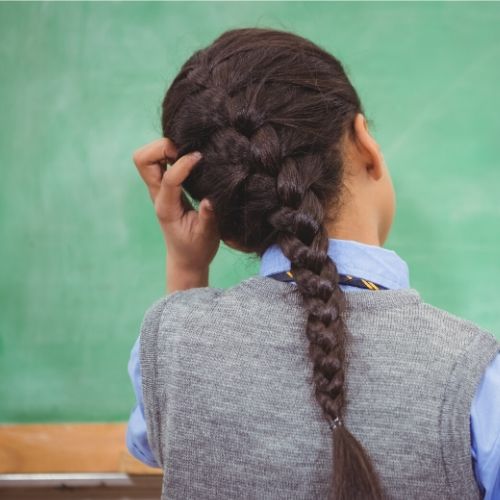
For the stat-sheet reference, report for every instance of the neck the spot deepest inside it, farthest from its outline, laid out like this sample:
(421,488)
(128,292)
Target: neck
(357,221)
(357,232)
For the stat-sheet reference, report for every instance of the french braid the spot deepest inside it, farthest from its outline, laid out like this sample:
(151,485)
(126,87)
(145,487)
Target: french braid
(269,111)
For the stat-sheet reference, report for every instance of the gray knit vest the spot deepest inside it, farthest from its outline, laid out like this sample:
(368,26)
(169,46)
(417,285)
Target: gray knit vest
(231,414)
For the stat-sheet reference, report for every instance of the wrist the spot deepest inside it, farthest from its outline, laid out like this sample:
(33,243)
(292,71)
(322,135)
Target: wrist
(181,276)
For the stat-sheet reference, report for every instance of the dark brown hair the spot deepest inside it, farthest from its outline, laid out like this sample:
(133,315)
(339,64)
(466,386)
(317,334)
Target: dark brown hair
(269,111)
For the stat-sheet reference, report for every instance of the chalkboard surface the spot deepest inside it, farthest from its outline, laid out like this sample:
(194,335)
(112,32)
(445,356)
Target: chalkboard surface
(81,255)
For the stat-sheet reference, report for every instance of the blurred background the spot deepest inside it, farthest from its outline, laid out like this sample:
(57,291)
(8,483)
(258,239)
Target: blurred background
(82,256)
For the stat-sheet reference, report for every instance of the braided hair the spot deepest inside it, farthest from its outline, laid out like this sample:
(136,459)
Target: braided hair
(270,111)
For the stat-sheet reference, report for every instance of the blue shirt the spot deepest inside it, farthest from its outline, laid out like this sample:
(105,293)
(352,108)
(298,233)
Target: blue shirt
(386,268)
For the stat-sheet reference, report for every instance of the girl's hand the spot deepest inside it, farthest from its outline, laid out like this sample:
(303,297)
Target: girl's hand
(191,237)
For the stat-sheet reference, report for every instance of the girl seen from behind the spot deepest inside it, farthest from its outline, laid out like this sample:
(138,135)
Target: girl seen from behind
(326,376)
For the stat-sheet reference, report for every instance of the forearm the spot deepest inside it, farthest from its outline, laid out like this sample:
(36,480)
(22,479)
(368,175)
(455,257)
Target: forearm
(182,278)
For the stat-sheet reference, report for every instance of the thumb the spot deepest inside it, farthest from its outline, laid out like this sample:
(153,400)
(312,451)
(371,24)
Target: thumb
(206,214)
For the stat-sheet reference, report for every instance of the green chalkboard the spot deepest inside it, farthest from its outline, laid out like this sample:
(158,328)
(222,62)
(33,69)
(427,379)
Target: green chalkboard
(81,254)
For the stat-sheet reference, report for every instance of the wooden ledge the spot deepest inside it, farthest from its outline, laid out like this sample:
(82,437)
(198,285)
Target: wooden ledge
(64,448)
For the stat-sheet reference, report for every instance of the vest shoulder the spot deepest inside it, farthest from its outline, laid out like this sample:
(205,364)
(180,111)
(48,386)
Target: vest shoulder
(194,294)
(245,289)
(179,300)
(448,321)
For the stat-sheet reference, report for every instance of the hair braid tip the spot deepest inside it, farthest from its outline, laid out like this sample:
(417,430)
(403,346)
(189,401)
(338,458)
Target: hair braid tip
(335,423)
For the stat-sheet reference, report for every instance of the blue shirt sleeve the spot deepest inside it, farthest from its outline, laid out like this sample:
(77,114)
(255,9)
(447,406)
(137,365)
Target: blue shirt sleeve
(485,431)
(137,437)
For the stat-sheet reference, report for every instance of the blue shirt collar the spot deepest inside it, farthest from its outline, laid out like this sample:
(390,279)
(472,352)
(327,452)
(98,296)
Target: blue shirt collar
(370,262)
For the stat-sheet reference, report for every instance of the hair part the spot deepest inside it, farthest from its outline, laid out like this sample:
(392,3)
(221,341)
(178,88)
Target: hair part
(269,111)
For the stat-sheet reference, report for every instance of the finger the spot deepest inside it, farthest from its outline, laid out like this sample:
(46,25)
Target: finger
(168,203)
(155,151)
(206,217)
(149,160)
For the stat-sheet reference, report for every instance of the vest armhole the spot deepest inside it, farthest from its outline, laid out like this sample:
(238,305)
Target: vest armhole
(148,349)
(459,392)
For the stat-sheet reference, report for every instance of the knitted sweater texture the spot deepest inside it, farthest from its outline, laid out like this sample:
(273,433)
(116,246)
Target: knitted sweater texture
(229,402)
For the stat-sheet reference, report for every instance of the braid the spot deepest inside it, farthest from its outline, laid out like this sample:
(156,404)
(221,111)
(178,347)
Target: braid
(270,130)
(304,242)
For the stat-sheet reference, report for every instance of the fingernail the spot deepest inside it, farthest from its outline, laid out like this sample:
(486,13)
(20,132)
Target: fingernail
(197,154)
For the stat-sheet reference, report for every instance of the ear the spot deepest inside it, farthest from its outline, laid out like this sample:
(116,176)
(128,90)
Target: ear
(368,148)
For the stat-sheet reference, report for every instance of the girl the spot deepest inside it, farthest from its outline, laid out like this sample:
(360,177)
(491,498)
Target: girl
(325,376)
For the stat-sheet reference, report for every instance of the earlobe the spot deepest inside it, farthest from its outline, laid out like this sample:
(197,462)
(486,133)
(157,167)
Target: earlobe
(369,147)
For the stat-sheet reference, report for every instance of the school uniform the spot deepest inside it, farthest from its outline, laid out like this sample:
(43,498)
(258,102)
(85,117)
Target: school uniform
(192,368)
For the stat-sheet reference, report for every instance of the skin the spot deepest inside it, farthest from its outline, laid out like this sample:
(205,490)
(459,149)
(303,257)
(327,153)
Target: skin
(369,199)
(191,237)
